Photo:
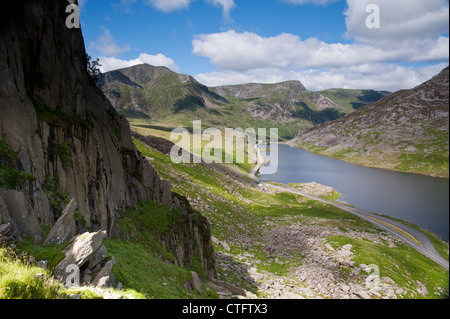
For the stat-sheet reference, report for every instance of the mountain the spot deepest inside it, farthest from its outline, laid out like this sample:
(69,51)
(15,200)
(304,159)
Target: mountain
(162,96)
(407,131)
(282,102)
(62,140)
(156,92)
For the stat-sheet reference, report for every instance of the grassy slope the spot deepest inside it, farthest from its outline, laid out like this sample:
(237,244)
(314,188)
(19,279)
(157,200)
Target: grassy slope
(420,162)
(238,210)
(351,100)
(240,214)
(139,257)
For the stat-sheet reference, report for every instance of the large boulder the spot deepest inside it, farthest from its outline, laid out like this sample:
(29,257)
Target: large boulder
(103,276)
(65,227)
(79,252)
(89,256)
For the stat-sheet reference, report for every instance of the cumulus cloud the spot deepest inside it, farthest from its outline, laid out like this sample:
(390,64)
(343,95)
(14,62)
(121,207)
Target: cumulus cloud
(400,21)
(173,5)
(412,32)
(107,45)
(242,51)
(111,63)
(169,5)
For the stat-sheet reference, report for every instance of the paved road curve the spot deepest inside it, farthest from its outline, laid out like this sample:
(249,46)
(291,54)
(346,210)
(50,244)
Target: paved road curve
(412,237)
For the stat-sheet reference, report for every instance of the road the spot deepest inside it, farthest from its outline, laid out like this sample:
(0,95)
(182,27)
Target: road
(410,236)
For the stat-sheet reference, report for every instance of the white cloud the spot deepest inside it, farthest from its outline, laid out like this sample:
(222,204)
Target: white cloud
(226,5)
(111,63)
(383,59)
(169,5)
(242,51)
(107,45)
(173,5)
(316,2)
(400,21)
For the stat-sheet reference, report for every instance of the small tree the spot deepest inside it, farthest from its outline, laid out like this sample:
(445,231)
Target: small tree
(93,67)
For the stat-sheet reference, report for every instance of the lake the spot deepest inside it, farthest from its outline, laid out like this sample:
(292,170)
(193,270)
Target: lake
(421,200)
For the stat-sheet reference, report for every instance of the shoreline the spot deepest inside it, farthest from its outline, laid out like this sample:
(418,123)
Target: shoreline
(444,175)
(421,242)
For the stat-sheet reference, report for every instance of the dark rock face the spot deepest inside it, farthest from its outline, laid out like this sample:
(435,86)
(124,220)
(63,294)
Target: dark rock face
(63,129)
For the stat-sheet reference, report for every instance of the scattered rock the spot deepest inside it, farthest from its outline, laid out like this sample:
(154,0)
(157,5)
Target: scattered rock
(226,247)
(89,255)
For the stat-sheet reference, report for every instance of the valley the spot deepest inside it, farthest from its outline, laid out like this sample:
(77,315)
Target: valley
(275,244)
(92,206)
(154,95)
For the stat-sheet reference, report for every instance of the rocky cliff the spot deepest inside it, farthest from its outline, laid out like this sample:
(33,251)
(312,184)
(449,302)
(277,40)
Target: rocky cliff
(61,139)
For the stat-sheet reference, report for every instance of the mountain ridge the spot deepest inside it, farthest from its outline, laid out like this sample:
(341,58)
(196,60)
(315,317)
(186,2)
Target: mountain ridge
(162,96)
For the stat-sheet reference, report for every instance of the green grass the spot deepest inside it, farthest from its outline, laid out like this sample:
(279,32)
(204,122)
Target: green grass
(57,118)
(13,178)
(63,151)
(10,176)
(57,199)
(243,212)
(441,246)
(21,281)
(424,162)
(52,253)
(140,269)
(139,255)
(343,153)
(7,155)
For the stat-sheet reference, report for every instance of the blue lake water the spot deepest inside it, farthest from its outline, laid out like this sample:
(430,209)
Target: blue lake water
(421,200)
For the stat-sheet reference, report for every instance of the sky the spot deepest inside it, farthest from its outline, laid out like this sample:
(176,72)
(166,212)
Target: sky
(396,44)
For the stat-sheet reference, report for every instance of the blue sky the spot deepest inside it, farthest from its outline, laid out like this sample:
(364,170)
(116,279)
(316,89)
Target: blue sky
(323,43)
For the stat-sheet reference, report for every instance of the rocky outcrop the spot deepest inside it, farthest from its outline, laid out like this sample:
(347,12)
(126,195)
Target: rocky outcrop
(21,214)
(87,261)
(64,228)
(65,134)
